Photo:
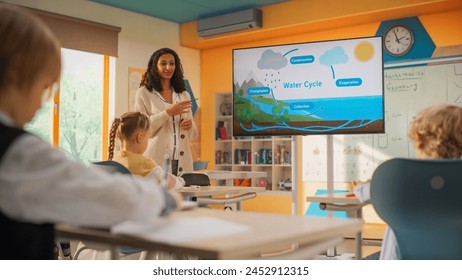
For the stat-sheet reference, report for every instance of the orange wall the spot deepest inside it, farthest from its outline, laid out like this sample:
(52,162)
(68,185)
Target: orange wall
(269,204)
(216,59)
(445,29)
(307,16)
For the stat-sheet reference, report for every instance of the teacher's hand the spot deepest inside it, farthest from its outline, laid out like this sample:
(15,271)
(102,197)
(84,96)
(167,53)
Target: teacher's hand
(179,108)
(186,124)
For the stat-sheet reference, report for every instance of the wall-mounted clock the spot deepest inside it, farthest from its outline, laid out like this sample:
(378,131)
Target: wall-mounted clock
(399,40)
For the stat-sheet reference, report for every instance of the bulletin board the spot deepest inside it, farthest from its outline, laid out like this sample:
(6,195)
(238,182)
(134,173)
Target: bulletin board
(135,75)
(407,90)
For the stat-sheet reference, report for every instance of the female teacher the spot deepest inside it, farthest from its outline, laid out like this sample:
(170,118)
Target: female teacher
(163,97)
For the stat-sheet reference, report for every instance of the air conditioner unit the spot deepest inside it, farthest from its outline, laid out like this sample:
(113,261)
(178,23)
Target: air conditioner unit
(237,21)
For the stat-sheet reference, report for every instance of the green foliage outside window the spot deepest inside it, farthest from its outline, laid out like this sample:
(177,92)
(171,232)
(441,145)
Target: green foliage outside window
(81,97)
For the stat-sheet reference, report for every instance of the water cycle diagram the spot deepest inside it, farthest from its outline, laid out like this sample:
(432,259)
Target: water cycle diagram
(329,87)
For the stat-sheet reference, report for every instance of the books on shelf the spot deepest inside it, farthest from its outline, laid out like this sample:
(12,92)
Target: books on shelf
(271,154)
(242,156)
(264,156)
(245,156)
(220,131)
(223,133)
(222,157)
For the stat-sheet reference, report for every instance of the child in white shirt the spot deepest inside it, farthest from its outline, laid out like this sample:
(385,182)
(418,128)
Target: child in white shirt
(39,186)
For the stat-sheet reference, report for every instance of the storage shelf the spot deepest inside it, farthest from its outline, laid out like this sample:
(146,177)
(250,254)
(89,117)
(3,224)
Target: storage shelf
(225,141)
(249,149)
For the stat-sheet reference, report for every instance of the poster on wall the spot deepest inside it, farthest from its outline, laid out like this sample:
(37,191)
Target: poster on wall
(135,75)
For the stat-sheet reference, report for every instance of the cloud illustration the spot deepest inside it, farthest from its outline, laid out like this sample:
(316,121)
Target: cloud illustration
(271,60)
(334,56)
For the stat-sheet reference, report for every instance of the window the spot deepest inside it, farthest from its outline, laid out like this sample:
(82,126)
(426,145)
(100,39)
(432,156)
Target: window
(80,107)
(41,124)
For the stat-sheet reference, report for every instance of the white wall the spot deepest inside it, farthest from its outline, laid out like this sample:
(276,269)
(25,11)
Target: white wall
(140,36)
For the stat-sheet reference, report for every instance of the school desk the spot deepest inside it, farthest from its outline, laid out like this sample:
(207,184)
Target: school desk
(342,202)
(229,176)
(232,194)
(240,235)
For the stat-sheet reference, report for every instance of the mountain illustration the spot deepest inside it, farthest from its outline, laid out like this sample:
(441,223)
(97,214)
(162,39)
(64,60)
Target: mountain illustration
(251,76)
(249,82)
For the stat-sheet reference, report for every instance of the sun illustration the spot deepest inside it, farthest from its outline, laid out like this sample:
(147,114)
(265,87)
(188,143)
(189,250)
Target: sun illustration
(364,51)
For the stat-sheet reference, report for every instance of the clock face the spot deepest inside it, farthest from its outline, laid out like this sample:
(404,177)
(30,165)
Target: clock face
(399,40)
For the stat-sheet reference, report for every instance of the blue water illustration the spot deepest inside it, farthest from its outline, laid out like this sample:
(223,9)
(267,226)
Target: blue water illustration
(366,109)
(331,109)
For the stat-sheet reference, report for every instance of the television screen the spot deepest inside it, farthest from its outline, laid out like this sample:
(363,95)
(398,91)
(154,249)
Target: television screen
(328,87)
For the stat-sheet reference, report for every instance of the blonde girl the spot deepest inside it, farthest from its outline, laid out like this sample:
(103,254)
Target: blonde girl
(133,131)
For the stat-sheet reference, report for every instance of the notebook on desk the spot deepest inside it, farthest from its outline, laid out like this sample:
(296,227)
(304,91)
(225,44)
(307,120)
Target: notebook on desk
(181,230)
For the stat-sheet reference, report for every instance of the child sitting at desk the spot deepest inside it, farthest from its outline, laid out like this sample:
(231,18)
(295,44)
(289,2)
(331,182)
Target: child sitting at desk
(39,185)
(133,130)
(435,132)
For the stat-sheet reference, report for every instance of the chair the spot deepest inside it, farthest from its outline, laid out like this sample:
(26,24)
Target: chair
(202,179)
(196,179)
(113,167)
(420,200)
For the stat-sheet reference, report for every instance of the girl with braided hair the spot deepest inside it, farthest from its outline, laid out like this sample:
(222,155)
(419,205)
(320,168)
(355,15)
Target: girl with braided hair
(133,131)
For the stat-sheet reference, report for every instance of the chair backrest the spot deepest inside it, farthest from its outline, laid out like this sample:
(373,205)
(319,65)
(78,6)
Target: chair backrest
(112,166)
(421,201)
(116,167)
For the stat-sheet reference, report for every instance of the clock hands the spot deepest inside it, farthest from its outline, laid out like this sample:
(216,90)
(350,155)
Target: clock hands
(404,43)
(396,36)
(398,40)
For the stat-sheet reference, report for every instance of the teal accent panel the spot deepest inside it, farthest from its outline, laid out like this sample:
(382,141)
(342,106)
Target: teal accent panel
(181,11)
(194,102)
(423,44)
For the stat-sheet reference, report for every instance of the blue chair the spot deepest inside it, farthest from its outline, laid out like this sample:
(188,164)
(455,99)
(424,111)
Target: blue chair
(420,200)
(113,167)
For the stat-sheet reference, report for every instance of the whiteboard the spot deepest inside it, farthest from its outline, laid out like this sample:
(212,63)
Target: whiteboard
(407,90)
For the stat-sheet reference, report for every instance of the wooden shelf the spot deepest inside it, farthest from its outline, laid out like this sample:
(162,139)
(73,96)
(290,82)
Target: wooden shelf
(251,147)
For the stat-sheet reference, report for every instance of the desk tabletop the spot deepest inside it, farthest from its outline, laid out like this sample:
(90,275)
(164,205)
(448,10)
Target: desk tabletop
(265,231)
(223,174)
(334,198)
(218,190)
